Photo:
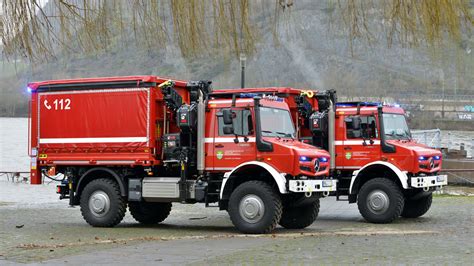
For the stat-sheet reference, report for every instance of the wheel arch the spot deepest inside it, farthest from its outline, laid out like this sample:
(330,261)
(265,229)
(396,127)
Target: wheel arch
(95,173)
(258,170)
(377,169)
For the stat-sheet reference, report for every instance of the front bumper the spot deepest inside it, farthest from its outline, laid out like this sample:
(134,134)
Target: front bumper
(325,185)
(429,181)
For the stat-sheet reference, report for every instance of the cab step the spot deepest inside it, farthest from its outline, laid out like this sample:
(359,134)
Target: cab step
(342,192)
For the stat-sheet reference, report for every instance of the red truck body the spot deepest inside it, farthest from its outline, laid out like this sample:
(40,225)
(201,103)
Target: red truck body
(107,126)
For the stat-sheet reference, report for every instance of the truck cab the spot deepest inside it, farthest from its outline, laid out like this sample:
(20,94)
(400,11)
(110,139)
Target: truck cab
(380,165)
(259,131)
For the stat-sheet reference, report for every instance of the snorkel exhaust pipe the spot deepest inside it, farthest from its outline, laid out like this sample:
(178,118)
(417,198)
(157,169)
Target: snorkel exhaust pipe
(261,144)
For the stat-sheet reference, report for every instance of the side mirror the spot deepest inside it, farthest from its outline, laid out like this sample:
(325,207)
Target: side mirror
(227,115)
(356,121)
(228,130)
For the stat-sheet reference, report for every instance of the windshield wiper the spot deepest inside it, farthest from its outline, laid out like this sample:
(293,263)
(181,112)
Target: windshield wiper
(408,135)
(269,132)
(286,135)
(393,135)
(404,135)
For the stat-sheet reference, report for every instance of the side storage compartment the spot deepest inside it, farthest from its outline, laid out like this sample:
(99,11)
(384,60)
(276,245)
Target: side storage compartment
(164,189)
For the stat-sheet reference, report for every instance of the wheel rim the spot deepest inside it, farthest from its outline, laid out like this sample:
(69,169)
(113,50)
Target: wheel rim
(99,203)
(251,208)
(378,201)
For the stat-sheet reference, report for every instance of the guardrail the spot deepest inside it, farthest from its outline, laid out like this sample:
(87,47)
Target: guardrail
(21,177)
(461,142)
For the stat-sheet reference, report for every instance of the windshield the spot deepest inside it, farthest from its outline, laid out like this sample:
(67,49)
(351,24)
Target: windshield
(395,126)
(276,123)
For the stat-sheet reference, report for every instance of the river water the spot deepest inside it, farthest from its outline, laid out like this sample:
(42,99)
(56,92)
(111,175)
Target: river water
(14,145)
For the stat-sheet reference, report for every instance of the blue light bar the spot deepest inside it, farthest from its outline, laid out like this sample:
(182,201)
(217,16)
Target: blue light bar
(422,158)
(29,90)
(437,157)
(355,104)
(323,159)
(248,95)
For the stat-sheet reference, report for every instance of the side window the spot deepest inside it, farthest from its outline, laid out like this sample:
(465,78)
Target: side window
(368,129)
(243,123)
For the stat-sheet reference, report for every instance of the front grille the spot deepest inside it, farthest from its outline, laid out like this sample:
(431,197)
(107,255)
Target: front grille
(305,168)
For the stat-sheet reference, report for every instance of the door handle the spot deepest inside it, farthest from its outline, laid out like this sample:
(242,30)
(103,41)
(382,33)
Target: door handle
(347,148)
(219,146)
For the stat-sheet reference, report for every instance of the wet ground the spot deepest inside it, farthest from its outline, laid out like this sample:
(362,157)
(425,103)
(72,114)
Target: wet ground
(37,228)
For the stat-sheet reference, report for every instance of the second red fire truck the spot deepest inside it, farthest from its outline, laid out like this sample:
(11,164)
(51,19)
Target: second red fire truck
(374,158)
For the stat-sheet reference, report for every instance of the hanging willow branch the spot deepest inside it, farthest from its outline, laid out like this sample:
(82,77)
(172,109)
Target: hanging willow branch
(38,32)
(408,22)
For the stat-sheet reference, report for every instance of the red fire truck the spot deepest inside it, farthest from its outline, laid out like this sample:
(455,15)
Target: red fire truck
(374,158)
(145,142)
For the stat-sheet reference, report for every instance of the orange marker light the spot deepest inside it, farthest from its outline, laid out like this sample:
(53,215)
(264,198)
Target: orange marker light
(52,171)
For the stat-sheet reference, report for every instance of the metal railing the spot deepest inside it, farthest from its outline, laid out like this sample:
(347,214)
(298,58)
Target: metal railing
(449,140)
(19,177)
(429,137)
(458,141)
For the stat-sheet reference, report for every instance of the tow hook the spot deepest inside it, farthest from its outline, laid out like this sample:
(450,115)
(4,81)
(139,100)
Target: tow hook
(325,193)
(308,194)
(426,189)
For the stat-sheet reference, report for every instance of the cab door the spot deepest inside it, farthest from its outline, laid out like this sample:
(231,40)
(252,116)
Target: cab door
(230,151)
(361,145)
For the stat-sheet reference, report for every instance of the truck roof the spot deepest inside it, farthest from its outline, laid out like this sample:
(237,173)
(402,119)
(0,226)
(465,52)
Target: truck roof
(101,82)
(278,90)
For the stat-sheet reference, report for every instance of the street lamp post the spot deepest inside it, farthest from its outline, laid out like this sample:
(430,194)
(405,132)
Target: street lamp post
(442,100)
(243,59)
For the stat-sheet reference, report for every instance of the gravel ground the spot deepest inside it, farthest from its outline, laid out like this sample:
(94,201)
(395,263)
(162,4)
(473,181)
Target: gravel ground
(37,228)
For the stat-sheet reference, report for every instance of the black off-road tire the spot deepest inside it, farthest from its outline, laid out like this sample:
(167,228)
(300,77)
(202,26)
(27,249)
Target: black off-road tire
(149,212)
(117,208)
(271,202)
(395,200)
(299,217)
(418,207)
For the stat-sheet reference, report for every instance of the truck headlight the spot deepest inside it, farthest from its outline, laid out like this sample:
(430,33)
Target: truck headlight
(305,159)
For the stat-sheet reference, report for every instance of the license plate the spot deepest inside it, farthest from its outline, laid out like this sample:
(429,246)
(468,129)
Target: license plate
(327,183)
(440,178)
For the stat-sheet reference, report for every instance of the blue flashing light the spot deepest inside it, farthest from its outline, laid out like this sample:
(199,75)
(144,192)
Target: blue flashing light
(29,90)
(248,95)
(273,98)
(355,104)
(437,157)
(323,159)
(305,159)
(422,158)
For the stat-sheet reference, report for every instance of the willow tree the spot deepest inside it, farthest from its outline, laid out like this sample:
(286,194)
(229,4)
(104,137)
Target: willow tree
(37,29)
